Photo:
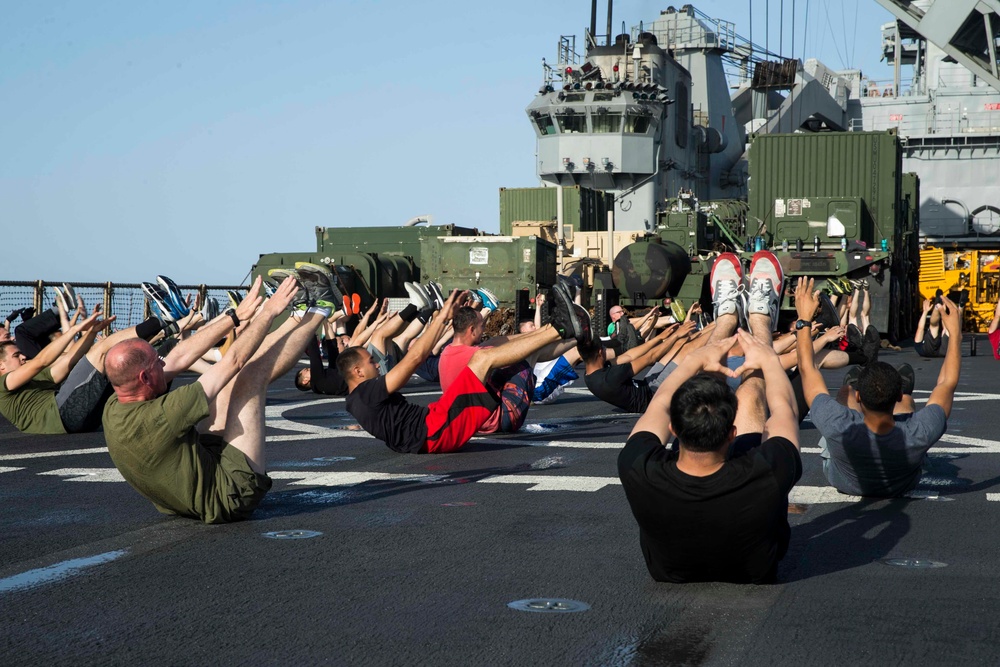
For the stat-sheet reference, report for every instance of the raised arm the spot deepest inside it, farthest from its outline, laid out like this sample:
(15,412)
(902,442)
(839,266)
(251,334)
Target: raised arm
(191,349)
(421,348)
(711,358)
(65,363)
(539,301)
(944,391)
(806,305)
(19,377)
(213,380)
(783,418)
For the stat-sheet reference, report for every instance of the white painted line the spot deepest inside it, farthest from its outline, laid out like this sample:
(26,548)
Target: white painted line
(551,483)
(814,495)
(42,455)
(46,575)
(995,497)
(87,474)
(2,470)
(343,478)
(574,444)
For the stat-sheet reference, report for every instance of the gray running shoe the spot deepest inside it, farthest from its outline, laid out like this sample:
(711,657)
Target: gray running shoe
(419,296)
(70,295)
(318,284)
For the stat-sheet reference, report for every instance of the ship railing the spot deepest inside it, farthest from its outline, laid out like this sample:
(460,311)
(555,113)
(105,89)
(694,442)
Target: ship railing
(931,123)
(886,88)
(126,301)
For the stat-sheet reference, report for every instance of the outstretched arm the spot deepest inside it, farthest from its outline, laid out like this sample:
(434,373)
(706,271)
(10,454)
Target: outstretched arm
(191,349)
(711,358)
(19,377)
(783,420)
(806,304)
(421,348)
(944,392)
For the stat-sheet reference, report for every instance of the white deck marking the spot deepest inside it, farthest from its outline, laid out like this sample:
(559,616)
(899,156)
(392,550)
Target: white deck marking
(46,575)
(555,483)
(344,478)
(995,497)
(87,474)
(42,455)
(816,495)
(2,470)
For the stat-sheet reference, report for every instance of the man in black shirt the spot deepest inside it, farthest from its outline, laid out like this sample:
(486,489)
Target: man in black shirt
(450,422)
(614,383)
(715,508)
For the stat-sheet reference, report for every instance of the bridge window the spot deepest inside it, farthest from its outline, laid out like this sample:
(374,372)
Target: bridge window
(571,122)
(636,124)
(606,122)
(545,124)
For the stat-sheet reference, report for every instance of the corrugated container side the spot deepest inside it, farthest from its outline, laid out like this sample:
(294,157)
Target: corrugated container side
(842,164)
(584,209)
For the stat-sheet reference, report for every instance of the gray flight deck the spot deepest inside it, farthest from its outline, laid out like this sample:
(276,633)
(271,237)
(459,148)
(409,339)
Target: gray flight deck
(420,556)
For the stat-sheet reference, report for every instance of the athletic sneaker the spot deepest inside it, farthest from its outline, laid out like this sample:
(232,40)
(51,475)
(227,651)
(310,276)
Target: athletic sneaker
(827,313)
(234,298)
(174,296)
(158,296)
(678,311)
(355,303)
(569,319)
(335,296)
(270,287)
(491,301)
(348,311)
(437,296)
(475,299)
(419,296)
(854,339)
(851,377)
(767,281)
(210,310)
(70,296)
(317,281)
(908,377)
(61,299)
(871,344)
(726,280)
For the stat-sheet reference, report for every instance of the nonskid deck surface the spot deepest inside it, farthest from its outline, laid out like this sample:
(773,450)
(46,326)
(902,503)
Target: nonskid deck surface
(418,557)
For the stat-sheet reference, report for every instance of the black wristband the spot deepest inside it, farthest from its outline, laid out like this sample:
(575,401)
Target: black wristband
(232,313)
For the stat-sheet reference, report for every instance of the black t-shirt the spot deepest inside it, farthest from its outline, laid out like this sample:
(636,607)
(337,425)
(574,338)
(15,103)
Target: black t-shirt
(615,385)
(729,526)
(325,379)
(389,417)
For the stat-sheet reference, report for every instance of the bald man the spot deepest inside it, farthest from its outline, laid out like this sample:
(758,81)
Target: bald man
(198,451)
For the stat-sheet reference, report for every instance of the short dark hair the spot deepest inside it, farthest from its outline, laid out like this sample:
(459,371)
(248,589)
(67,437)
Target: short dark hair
(348,359)
(300,382)
(590,351)
(879,387)
(702,413)
(4,348)
(463,318)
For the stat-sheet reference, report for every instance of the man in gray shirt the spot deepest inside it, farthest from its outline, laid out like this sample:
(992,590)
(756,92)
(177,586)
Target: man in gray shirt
(871,448)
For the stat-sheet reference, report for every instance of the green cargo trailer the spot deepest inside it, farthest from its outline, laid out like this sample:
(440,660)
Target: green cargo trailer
(584,210)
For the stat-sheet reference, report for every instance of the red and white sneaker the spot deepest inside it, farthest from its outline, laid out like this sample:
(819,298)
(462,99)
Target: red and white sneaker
(767,281)
(726,280)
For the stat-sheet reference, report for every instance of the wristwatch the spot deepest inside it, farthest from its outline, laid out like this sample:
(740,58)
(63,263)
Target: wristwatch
(232,314)
(803,324)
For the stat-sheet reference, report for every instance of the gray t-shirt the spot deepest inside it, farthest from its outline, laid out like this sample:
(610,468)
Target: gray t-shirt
(859,462)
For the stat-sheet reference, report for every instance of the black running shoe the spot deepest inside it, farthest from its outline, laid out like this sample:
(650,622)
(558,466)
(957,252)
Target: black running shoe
(437,295)
(827,313)
(851,378)
(565,318)
(871,344)
(318,284)
(854,338)
(908,377)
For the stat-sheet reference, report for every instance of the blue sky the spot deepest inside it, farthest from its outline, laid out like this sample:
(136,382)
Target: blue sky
(187,138)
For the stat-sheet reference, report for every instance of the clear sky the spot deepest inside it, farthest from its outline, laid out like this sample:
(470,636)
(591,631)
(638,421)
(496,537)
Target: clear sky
(188,137)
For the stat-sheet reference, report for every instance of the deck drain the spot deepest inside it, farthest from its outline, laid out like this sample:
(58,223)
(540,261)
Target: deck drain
(292,534)
(549,605)
(333,459)
(914,563)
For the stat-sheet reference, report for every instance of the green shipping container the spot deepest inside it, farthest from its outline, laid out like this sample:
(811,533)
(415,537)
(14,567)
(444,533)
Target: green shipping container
(789,171)
(584,210)
(504,264)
